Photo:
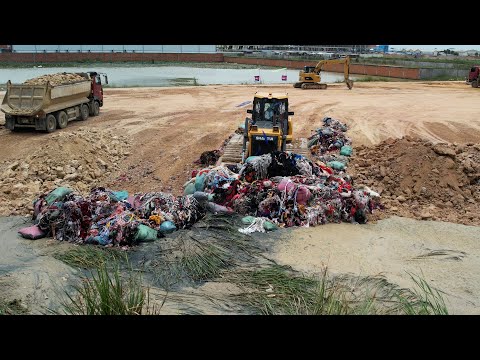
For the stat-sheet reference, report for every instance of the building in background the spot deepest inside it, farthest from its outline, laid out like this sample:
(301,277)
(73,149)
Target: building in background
(380,49)
(297,48)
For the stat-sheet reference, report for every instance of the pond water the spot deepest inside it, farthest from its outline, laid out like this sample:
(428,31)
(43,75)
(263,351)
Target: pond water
(169,75)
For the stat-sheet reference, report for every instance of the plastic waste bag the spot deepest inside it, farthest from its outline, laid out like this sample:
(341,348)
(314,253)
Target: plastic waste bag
(189,189)
(346,150)
(200,182)
(32,232)
(119,195)
(337,165)
(57,195)
(167,227)
(248,220)
(269,226)
(145,233)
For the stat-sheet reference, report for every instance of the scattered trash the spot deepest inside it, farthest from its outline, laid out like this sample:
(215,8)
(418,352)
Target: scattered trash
(32,232)
(244,103)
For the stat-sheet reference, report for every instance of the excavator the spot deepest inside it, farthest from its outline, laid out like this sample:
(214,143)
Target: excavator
(268,129)
(309,77)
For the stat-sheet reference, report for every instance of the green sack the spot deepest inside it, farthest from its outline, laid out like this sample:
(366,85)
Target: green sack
(200,182)
(57,195)
(145,233)
(337,165)
(346,150)
(119,195)
(248,220)
(167,227)
(189,189)
(269,226)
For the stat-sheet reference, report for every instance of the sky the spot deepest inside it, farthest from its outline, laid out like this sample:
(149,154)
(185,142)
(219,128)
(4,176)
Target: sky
(432,47)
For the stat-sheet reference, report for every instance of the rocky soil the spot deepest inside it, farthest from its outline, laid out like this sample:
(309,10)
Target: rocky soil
(55,79)
(418,179)
(80,160)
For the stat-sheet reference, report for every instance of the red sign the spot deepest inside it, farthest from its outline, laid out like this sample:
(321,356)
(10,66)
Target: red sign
(284,77)
(257,77)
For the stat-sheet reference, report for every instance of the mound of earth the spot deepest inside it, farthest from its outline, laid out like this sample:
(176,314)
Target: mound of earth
(422,180)
(56,79)
(80,160)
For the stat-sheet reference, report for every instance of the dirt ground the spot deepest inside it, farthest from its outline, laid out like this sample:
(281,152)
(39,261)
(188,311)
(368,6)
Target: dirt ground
(166,130)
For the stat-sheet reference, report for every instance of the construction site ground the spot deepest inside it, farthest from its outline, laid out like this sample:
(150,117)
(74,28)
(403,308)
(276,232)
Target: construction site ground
(148,138)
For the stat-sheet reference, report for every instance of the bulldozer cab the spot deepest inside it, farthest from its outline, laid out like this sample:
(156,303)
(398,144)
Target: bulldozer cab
(269,129)
(269,112)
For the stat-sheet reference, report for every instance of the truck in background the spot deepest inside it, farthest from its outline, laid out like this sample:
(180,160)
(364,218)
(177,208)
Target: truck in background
(473,76)
(48,107)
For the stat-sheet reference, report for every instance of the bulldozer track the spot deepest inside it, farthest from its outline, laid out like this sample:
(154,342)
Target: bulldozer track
(233,150)
(307,86)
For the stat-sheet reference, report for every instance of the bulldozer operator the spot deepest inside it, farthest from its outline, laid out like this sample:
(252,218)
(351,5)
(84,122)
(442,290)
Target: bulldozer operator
(272,112)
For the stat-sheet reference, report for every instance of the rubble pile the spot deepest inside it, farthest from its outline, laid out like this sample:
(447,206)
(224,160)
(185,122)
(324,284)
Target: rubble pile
(56,79)
(95,156)
(419,179)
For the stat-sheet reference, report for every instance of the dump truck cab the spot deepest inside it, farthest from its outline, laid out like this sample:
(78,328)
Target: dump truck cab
(97,87)
(473,76)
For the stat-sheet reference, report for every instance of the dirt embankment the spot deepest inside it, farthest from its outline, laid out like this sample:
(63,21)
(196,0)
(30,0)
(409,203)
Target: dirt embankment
(421,180)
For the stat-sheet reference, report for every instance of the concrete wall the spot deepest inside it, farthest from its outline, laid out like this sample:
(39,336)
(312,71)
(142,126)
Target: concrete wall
(427,64)
(434,73)
(373,70)
(358,69)
(107,57)
(116,48)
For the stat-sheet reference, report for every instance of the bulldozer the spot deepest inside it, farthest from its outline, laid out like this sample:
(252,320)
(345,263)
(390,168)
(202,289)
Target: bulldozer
(269,128)
(309,77)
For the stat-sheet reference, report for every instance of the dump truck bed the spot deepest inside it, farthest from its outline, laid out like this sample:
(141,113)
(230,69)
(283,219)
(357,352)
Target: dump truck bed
(29,100)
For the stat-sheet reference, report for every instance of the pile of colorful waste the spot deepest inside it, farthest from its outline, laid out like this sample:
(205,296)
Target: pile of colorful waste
(285,189)
(108,217)
(330,145)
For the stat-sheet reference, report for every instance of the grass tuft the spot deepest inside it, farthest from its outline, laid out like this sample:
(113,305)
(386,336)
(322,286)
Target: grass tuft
(107,293)
(91,256)
(277,290)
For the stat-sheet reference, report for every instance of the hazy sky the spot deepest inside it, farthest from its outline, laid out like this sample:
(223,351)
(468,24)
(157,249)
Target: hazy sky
(432,47)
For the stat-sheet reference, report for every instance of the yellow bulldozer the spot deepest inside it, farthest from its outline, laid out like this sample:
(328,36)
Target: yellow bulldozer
(309,77)
(270,128)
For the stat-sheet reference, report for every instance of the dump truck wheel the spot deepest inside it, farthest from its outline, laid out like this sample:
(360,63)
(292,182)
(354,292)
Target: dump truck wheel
(475,83)
(62,119)
(96,108)
(50,123)
(84,112)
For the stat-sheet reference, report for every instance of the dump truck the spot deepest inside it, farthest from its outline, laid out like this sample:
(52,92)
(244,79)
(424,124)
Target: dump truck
(50,102)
